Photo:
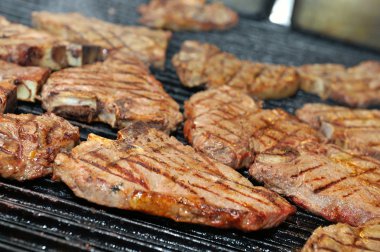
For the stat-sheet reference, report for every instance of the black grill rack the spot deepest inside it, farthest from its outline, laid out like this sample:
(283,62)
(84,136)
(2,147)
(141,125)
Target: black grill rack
(45,215)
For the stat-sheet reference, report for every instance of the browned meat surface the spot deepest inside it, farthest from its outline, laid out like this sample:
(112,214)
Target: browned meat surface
(149,45)
(194,15)
(358,86)
(26,46)
(29,144)
(118,92)
(200,63)
(146,170)
(355,129)
(342,237)
(230,127)
(27,79)
(8,96)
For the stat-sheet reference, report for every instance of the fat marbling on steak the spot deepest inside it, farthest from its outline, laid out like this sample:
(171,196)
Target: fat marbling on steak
(355,129)
(8,96)
(201,63)
(149,45)
(118,92)
(146,170)
(29,144)
(193,15)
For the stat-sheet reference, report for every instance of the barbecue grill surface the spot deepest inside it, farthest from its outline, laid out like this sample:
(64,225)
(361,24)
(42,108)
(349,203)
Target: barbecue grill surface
(43,214)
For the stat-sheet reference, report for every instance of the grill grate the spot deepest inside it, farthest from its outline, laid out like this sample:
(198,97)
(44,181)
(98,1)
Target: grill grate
(45,215)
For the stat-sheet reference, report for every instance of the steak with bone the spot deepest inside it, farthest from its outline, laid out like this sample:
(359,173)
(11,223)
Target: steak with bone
(8,96)
(201,63)
(194,15)
(29,144)
(149,45)
(146,170)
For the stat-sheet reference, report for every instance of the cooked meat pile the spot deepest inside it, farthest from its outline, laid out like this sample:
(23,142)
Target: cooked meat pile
(149,45)
(357,86)
(230,127)
(8,96)
(146,170)
(355,129)
(194,15)
(26,46)
(200,63)
(118,92)
(29,144)
(342,237)
(27,79)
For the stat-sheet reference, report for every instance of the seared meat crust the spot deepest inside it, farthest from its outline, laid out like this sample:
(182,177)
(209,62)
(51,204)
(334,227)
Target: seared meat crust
(8,96)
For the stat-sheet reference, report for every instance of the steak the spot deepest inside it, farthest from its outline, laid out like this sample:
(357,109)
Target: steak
(149,45)
(193,15)
(355,129)
(200,63)
(29,144)
(357,86)
(118,92)
(227,125)
(342,237)
(146,170)
(27,79)
(8,96)
(26,46)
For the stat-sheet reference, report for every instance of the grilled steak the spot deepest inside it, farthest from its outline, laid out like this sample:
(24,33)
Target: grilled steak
(117,92)
(198,64)
(26,46)
(29,144)
(146,170)
(149,45)
(8,96)
(27,79)
(342,237)
(230,127)
(194,15)
(355,129)
(357,86)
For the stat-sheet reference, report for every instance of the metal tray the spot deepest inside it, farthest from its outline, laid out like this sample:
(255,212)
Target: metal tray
(45,215)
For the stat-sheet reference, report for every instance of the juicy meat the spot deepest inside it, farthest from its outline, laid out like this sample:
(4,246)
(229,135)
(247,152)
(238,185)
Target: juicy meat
(323,178)
(146,170)
(227,125)
(149,45)
(27,79)
(194,15)
(342,237)
(29,144)
(26,46)
(8,96)
(200,63)
(358,86)
(118,92)
(355,129)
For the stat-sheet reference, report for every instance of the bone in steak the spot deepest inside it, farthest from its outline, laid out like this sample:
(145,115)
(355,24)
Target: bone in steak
(29,144)
(8,96)
(194,15)
(146,170)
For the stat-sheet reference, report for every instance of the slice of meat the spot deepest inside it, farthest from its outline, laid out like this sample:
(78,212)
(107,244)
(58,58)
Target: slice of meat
(342,237)
(355,129)
(149,45)
(118,92)
(194,15)
(29,47)
(146,170)
(200,63)
(8,96)
(227,125)
(358,86)
(27,79)
(29,144)
(323,178)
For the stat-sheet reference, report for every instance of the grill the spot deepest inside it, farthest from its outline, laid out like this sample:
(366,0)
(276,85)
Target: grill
(45,215)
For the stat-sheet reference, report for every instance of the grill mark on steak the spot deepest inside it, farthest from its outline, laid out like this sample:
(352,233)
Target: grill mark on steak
(307,170)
